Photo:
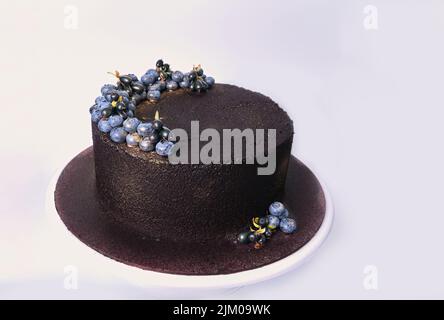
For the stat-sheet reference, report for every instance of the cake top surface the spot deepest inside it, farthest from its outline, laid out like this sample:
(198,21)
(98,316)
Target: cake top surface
(225,106)
(141,114)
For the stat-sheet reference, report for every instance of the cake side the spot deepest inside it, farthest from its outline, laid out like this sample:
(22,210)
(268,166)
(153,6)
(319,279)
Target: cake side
(196,202)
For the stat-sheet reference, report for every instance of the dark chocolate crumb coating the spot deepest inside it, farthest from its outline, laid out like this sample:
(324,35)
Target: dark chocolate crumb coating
(193,203)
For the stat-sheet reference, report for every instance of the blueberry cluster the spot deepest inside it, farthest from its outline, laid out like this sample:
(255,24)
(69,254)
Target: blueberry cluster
(262,228)
(114,110)
(162,78)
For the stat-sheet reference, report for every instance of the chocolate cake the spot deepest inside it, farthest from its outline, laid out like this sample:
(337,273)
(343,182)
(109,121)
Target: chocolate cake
(127,198)
(193,202)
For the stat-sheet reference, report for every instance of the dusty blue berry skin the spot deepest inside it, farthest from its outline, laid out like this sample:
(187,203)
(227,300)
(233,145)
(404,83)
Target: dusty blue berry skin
(104,126)
(185,83)
(133,77)
(152,72)
(145,129)
(154,87)
(146,145)
(288,225)
(96,115)
(118,135)
(162,85)
(163,148)
(276,209)
(115,121)
(133,140)
(102,103)
(131,106)
(153,95)
(130,124)
(210,81)
(107,88)
(99,99)
(273,222)
(171,85)
(284,214)
(148,79)
(177,76)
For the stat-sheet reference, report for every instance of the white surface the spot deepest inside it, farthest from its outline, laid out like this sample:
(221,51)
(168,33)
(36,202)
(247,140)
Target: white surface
(367,107)
(112,269)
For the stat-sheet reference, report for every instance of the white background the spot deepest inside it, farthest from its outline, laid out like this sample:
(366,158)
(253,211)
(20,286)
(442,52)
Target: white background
(367,107)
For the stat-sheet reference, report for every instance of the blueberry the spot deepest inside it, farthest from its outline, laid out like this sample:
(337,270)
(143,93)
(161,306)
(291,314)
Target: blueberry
(200,72)
(130,114)
(159,63)
(273,222)
(145,129)
(153,95)
(108,95)
(131,106)
(157,124)
(107,88)
(154,87)
(185,83)
(104,126)
(276,209)
(163,148)
(162,85)
(287,225)
(152,73)
(177,76)
(96,115)
(171,85)
(243,237)
(146,145)
(123,93)
(263,221)
(118,135)
(93,108)
(148,79)
(99,99)
(210,81)
(115,121)
(133,139)
(133,77)
(284,214)
(164,133)
(103,105)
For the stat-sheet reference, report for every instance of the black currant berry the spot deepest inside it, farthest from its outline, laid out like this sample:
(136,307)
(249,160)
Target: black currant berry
(114,96)
(159,63)
(164,133)
(126,80)
(138,88)
(243,237)
(107,112)
(157,124)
